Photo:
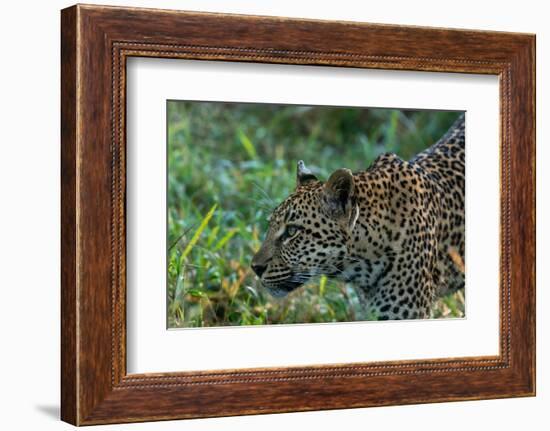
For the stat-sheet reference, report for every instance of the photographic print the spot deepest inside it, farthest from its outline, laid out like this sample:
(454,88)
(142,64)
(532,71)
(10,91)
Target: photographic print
(221,186)
(283,214)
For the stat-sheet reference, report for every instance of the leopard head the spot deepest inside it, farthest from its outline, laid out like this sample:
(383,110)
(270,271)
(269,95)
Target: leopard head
(308,233)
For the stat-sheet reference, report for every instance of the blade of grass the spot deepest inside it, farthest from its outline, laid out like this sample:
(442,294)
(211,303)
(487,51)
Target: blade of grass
(247,144)
(226,238)
(322,285)
(213,235)
(197,233)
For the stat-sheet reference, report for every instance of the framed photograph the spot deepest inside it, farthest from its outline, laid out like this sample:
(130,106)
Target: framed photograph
(264,215)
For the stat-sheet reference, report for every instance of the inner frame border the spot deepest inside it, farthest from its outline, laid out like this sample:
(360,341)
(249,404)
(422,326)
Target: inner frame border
(121,51)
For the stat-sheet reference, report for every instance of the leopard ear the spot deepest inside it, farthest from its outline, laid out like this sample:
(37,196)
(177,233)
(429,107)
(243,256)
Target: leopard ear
(338,195)
(303,174)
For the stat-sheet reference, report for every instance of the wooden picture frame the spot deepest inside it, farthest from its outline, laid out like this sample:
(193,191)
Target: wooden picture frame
(96,41)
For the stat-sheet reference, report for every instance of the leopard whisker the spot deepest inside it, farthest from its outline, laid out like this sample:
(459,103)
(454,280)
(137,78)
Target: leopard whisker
(266,195)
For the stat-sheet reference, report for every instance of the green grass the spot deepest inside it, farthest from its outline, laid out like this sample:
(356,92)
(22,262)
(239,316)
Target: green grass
(229,165)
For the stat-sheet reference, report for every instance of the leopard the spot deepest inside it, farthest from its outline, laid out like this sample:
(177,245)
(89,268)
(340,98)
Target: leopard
(394,231)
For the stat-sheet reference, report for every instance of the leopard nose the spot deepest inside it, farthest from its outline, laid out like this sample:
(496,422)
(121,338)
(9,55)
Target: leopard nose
(258,269)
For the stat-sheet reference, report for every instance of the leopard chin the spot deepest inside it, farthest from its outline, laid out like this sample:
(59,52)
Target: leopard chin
(282,289)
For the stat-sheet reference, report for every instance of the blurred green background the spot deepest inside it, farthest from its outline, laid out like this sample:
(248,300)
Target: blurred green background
(229,165)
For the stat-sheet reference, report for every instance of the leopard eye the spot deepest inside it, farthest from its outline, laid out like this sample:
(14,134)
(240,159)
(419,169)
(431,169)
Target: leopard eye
(290,231)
